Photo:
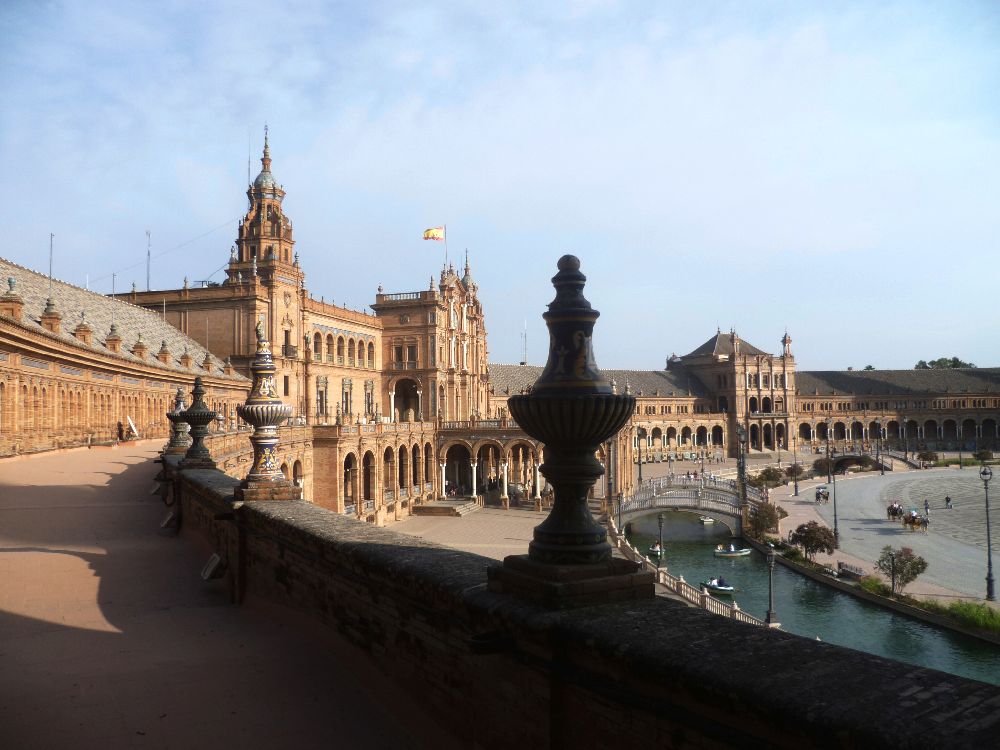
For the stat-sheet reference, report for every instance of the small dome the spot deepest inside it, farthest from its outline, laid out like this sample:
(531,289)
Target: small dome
(265,180)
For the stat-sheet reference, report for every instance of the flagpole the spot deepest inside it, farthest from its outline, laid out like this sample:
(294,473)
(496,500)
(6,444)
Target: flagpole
(445,245)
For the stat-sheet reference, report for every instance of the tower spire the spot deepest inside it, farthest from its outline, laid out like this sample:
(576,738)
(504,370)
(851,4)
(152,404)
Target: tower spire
(265,160)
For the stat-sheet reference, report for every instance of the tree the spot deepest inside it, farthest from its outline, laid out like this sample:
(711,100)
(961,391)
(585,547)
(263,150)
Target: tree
(793,471)
(900,566)
(942,363)
(869,367)
(764,518)
(813,538)
(928,456)
(983,455)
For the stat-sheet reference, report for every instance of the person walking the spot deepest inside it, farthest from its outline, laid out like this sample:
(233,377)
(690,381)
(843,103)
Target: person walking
(947,502)
(927,507)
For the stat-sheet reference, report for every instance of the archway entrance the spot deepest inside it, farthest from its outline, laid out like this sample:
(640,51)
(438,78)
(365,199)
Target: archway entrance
(458,471)
(405,401)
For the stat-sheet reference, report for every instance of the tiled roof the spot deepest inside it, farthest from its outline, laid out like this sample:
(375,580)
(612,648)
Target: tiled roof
(898,382)
(720,343)
(512,379)
(130,320)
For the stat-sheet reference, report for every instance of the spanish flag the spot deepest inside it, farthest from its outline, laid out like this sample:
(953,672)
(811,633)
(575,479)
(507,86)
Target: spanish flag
(435,233)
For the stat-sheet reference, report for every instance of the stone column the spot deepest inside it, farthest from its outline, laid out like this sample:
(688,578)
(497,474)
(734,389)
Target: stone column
(392,406)
(444,482)
(420,406)
(538,483)
(474,465)
(503,493)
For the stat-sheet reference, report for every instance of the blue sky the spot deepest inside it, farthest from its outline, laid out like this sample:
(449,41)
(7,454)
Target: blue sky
(832,168)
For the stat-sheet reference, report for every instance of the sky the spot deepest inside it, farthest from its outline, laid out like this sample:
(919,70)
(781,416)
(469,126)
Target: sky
(832,169)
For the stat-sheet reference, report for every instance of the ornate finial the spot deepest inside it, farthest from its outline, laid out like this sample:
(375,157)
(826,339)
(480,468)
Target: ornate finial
(11,283)
(466,261)
(253,266)
(239,277)
(380,289)
(571,319)
(83,318)
(113,333)
(265,160)
(139,340)
(133,287)
(199,416)
(232,254)
(185,282)
(572,410)
(264,411)
(296,261)
(430,288)
(179,439)
(50,307)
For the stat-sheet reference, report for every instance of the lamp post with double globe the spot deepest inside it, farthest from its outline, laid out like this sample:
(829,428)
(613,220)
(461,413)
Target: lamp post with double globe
(986,474)
(833,474)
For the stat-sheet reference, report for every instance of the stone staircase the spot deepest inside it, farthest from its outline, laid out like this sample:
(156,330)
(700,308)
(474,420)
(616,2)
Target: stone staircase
(461,507)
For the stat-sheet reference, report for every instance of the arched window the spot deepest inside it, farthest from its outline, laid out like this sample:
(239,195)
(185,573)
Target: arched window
(350,352)
(329,348)
(318,346)
(371,355)
(340,350)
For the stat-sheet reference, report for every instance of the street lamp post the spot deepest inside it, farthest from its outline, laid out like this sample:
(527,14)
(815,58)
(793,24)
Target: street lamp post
(741,466)
(878,447)
(829,465)
(771,617)
(779,452)
(659,522)
(986,474)
(833,474)
(795,463)
(638,440)
(620,500)
(906,439)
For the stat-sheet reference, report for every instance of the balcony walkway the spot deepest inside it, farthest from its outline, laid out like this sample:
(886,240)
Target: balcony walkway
(109,638)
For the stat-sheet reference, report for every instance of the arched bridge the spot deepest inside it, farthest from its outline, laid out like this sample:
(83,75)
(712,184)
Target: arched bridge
(841,456)
(718,498)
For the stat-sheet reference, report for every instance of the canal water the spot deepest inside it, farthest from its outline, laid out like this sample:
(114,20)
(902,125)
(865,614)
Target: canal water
(810,609)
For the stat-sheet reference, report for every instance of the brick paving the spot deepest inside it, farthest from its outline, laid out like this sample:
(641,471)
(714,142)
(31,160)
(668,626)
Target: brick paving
(110,639)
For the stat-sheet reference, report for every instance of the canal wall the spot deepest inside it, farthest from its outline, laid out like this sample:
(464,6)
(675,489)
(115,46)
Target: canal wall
(856,591)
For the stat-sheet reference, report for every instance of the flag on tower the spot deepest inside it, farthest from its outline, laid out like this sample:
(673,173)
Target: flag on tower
(434,233)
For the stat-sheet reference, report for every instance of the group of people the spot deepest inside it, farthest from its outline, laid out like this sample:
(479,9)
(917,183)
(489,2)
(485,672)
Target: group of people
(717,581)
(822,495)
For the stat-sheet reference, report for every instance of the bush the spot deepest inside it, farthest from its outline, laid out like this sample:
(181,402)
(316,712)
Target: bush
(874,585)
(763,518)
(793,471)
(975,615)
(928,456)
(983,456)
(813,538)
(821,466)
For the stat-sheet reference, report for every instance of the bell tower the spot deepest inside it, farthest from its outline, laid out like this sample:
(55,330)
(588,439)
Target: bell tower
(265,243)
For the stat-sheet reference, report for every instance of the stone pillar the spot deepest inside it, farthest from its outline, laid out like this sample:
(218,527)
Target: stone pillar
(503,477)
(444,482)
(392,406)
(420,406)
(474,465)
(538,484)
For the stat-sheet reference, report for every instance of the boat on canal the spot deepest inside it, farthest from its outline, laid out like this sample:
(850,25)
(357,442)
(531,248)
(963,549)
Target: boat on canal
(718,589)
(705,520)
(721,551)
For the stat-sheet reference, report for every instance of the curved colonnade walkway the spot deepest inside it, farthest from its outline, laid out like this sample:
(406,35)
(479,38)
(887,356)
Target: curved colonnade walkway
(109,638)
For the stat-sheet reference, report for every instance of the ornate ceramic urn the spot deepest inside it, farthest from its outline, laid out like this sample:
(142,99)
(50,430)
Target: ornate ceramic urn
(572,409)
(179,439)
(199,416)
(264,411)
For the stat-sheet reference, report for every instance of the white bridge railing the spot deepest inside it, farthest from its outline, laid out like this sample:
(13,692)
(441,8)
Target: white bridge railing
(699,597)
(720,495)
